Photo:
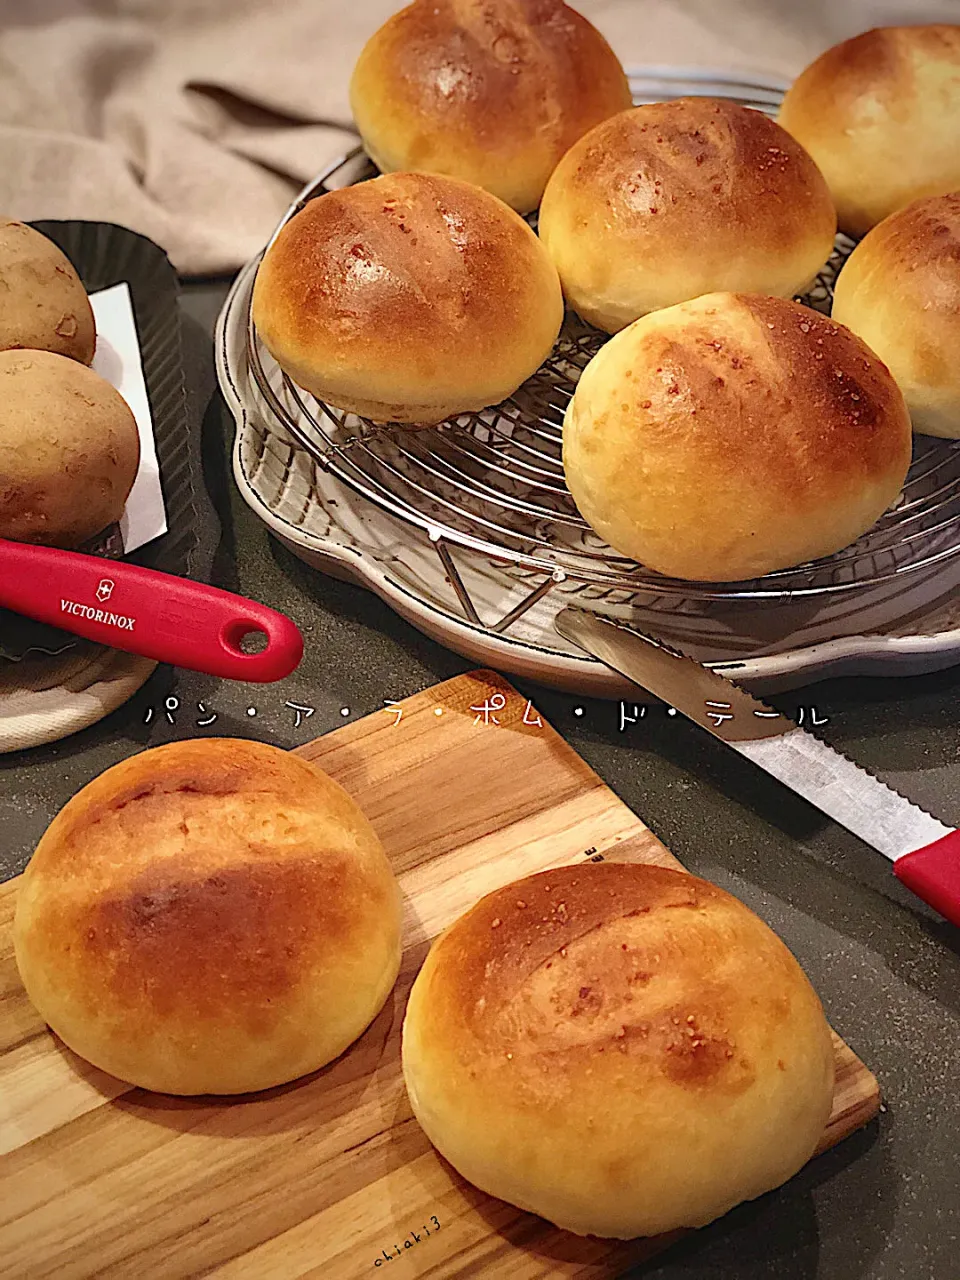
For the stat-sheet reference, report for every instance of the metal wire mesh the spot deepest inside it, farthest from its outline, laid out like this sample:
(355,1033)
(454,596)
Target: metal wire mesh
(492,482)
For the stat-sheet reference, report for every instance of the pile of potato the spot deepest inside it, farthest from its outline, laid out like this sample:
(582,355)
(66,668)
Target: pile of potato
(69,446)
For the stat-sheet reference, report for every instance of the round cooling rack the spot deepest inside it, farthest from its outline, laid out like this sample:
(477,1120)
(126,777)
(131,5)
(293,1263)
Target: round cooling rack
(474,521)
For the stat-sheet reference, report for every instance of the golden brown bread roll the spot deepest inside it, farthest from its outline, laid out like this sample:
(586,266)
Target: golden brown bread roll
(69,450)
(409,298)
(622,1049)
(491,91)
(880,114)
(676,199)
(733,435)
(211,916)
(43,305)
(900,291)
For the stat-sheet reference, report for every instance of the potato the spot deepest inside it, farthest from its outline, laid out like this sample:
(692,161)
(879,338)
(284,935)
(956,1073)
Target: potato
(69,450)
(43,305)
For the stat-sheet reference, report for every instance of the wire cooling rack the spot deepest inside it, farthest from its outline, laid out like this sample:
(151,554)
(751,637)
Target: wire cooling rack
(491,484)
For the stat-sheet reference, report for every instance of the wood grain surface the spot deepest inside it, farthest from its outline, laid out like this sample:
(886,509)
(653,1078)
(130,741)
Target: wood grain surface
(330,1176)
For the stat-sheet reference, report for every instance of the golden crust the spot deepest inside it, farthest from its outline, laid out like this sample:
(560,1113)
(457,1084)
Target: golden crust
(69,450)
(45,306)
(493,93)
(209,916)
(900,291)
(408,298)
(734,435)
(572,1039)
(675,199)
(880,114)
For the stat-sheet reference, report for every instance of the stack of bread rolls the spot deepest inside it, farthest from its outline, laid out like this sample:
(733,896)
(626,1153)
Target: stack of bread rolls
(217,916)
(69,446)
(220,917)
(724,434)
(422,295)
(880,114)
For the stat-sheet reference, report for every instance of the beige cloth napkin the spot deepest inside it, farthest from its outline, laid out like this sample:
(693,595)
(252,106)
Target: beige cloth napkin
(196,121)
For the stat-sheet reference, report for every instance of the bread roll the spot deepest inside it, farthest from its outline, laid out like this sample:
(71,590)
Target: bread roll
(43,305)
(491,91)
(733,435)
(900,291)
(880,114)
(672,200)
(212,916)
(622,1049)
(409,298)
(69,450)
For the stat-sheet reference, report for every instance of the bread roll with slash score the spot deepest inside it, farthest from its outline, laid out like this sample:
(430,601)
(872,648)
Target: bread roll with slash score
(623,1049)
(900,291)
(408,298)
(211,916)
(676,199)
(491,91)
(734,435)
(880,114)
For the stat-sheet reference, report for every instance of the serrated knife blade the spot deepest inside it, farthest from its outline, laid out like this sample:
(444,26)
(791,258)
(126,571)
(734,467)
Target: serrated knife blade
(925,852)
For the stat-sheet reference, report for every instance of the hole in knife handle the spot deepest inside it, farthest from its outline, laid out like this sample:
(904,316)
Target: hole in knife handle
(254,642)
(244,638)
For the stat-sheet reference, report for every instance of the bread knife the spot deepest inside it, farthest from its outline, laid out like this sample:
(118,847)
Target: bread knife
(925,853)
(144,611)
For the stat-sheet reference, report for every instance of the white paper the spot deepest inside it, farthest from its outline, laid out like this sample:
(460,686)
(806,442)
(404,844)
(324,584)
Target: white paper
(118,361)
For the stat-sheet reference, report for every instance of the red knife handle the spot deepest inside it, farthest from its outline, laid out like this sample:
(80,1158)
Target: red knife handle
(116,603)
(933,874)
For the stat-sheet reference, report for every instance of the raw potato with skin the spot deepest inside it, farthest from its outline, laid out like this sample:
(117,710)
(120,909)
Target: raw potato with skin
(211,916)
(69,450)
(623,1049)
(880,114)
(491,91)
(676,199)
(43,305)
(900,291)
(734,435)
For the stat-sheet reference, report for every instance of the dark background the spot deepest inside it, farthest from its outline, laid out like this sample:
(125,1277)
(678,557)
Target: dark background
(886,1203)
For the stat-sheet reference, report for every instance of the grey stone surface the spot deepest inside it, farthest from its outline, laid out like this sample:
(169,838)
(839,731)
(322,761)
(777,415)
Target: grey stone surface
(886,1203)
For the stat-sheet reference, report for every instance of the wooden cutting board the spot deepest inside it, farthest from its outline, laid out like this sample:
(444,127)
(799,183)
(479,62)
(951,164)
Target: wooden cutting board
(332,1176)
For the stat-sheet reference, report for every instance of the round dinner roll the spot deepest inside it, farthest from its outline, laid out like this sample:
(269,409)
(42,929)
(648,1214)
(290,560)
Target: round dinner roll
(676,199)
(212,916)
(43,305)
(69,450)
(408,298)
(900,291)
(623,1049)
(880,114)
(734,435)
(491,91)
